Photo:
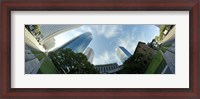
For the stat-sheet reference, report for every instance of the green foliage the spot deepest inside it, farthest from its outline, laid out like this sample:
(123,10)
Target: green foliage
(167,45)
(161,67)
(152,44)
(47,67)
(66,61)
(157,38)
(133,65)
(36,29)
(39,32)
(27,27)
(36,52)
(36,26)
(40,56)
(155,63)
(163,49)
(162,29)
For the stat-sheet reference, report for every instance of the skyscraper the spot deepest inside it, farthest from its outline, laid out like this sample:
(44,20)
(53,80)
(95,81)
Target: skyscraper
(79,43)
(122,53)
(50,31)
(50,44)
(89,53)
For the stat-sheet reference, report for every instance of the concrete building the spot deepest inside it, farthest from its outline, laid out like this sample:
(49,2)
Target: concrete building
(143,54)
(50,44)
(89,52)
(32,64)
(31,41)
(111,68)
(144,49)
(122,53)
(79,43)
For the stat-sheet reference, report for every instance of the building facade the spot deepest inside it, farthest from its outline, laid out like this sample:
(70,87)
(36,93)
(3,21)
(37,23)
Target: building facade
(143,54)
(50,31)
(111,68)
(144,49)
(50,44)
(79,43)
(89,53)
(122,53)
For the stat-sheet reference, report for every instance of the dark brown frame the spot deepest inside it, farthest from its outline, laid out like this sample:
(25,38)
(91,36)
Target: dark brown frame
(99,5)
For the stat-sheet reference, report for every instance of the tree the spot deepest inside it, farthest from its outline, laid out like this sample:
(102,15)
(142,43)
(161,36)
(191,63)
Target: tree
(157,38)
(133,65)
(162,29)
(27,27)
(37,29)
(153,44)
(66,61)
(39,32)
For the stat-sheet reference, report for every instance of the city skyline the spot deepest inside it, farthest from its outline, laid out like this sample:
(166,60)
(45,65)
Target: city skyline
(104,49)
(106,38)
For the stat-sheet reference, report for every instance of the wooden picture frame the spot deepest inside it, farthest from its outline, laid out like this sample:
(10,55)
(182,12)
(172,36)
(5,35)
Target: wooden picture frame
(193,92)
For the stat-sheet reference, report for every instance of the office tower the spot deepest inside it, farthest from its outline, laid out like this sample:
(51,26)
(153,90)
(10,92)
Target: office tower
(89,53)
(50,31)
(79,43)
(50,44)
(122,53)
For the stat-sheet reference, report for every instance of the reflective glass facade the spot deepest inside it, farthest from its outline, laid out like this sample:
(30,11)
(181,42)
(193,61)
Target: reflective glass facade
(125,51)
(78,44)
(122,53)
(89,53)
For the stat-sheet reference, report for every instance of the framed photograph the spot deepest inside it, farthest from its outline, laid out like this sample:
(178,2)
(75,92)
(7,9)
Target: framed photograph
(146,49)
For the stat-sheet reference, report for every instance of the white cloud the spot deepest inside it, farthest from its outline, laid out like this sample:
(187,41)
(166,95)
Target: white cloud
(106,58)
(106,30)
(128,41)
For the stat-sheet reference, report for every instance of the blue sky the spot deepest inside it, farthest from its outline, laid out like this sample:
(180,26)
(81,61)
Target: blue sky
(106,38)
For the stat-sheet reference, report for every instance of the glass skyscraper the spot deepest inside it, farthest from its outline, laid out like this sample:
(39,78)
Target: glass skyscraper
(89,53)
(49,31)
(122,53)
(79,43)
